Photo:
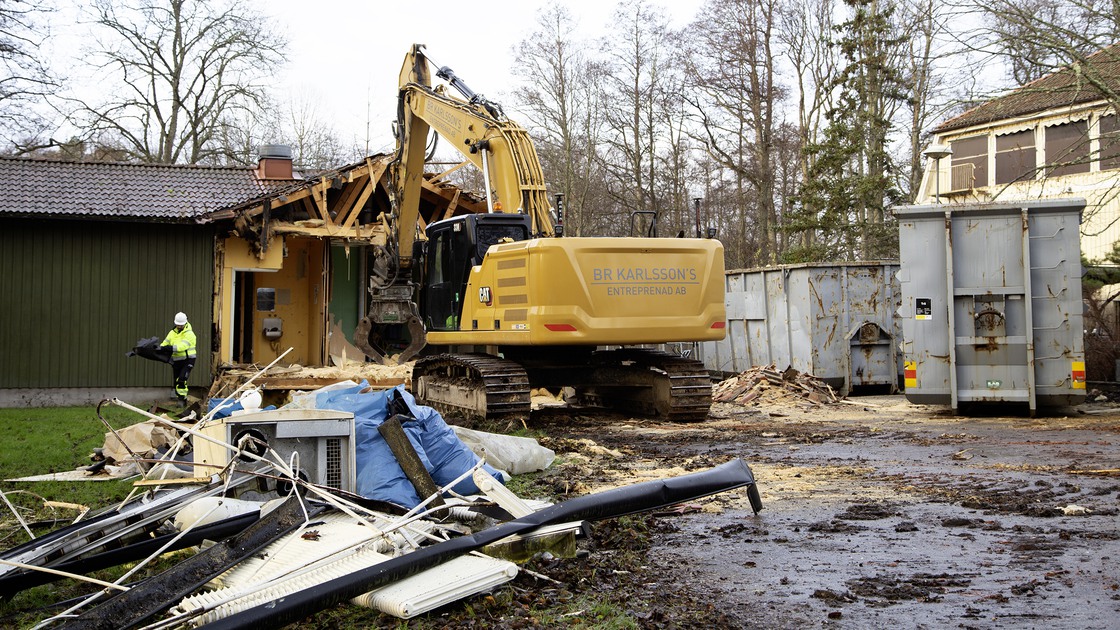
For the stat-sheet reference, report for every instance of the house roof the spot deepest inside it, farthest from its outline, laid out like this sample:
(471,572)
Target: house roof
(160,192)
(1077,84)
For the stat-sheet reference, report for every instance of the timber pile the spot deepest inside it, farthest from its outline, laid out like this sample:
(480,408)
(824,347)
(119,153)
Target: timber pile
(768,384)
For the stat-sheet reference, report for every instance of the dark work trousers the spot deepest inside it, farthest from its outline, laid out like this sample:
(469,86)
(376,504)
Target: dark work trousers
(181,369)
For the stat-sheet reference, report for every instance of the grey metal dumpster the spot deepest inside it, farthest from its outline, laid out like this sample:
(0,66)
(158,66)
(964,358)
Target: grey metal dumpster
(991,309)
(834,321)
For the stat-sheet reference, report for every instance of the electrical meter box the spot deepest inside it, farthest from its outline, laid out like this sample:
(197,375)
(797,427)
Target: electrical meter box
(322,440)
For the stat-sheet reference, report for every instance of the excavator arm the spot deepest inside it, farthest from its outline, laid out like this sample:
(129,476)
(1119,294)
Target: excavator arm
(499,147)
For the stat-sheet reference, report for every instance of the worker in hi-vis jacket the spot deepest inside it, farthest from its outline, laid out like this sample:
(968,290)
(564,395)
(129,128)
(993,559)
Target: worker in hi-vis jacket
(183,344)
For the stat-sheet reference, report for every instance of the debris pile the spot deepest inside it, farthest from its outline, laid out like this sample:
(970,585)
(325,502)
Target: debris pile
(769,384)
(348,493)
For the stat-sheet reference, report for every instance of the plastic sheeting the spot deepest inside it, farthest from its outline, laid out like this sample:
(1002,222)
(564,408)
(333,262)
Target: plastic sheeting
(145,439)
(511,453)
(379,476)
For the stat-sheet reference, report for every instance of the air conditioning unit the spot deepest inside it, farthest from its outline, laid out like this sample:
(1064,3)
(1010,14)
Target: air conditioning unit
(323,439)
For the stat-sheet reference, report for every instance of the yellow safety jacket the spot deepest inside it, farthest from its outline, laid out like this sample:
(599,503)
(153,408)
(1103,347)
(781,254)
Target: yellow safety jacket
(183,343)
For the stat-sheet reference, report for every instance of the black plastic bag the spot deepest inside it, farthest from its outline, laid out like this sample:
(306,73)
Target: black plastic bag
(150,348)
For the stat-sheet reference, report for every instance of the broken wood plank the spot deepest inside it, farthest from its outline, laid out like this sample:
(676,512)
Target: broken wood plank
(413,468)
(174,481)
(311,382)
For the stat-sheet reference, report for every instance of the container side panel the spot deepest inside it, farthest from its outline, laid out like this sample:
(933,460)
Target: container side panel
(1015,333)
(812,317)
(781,323)
(1056,301)
(925,328)
(818,294)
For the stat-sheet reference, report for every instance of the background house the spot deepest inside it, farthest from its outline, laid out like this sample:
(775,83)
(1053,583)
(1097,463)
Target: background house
(96,256)
(1055,137)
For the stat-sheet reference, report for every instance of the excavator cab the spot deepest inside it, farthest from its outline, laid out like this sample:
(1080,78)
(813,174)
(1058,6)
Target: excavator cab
(453,247)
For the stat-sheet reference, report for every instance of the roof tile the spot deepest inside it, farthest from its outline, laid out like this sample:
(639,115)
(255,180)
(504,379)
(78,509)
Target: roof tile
(1074,85)
(115,190)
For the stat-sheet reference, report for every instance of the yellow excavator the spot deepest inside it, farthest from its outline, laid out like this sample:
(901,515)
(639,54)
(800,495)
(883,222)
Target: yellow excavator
(497,303)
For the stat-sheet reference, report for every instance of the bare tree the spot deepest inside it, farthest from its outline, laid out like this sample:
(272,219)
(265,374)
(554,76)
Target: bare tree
(314,142)
(176,72)
(805,29)
(732,66)
(25,81)
(926,81)
(1037,37)
(635,56)
(561,103)
(675,158)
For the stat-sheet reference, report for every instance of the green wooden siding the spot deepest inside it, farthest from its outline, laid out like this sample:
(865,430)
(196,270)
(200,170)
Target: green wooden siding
(75,296)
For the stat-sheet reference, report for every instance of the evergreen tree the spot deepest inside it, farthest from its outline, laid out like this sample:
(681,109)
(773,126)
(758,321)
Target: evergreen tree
(843,203)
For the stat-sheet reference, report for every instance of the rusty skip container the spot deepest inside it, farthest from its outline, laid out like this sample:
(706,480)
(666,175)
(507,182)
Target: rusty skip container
(834,321)
(991,309)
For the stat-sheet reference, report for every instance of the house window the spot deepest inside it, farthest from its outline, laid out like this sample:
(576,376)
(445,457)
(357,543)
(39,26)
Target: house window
(971,154)
(1015,160)
(1067,148)
(1110,142)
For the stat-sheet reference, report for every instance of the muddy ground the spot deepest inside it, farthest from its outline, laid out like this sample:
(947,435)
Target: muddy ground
(876,513)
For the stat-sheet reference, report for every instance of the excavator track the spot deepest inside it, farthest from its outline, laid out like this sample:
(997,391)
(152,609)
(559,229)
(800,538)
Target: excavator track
(473,385)
(650,383)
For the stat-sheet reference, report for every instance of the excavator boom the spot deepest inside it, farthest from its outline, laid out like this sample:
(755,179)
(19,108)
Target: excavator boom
(500,148)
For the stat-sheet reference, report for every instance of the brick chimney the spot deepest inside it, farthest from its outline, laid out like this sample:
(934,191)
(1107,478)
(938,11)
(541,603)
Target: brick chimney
(275,162)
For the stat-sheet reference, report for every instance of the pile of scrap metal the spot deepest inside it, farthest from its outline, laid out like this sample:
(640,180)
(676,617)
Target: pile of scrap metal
(345,494)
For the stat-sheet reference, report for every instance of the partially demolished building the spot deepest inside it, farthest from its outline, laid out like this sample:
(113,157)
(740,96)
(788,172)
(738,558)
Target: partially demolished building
(99,255)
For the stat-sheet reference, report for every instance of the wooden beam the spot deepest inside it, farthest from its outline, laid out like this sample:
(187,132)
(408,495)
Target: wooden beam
(309,208)
(320,198)
(372,234)
(449,171)
(305,383)
(360,203)
(450,212)
(393,434)
(373,175)
(345,203)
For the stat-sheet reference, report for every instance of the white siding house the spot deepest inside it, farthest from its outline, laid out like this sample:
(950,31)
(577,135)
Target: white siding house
(1056,137)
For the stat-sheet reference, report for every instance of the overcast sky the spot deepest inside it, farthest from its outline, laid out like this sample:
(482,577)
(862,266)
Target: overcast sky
(348,53)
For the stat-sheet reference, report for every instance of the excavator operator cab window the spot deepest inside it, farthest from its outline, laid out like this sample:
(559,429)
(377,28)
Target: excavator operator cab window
(493,234)
(453,247)
(439,305)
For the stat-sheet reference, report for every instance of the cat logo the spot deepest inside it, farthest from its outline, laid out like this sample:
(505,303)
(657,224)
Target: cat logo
(484,295)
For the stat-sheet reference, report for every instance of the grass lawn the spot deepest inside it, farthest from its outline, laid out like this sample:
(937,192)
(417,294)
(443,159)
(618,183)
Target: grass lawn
(45,440)
(56,439)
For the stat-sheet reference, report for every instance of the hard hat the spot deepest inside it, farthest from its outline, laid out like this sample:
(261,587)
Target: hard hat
(180,319)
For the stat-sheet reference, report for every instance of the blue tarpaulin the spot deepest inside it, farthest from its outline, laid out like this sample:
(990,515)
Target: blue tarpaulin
(379,476)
